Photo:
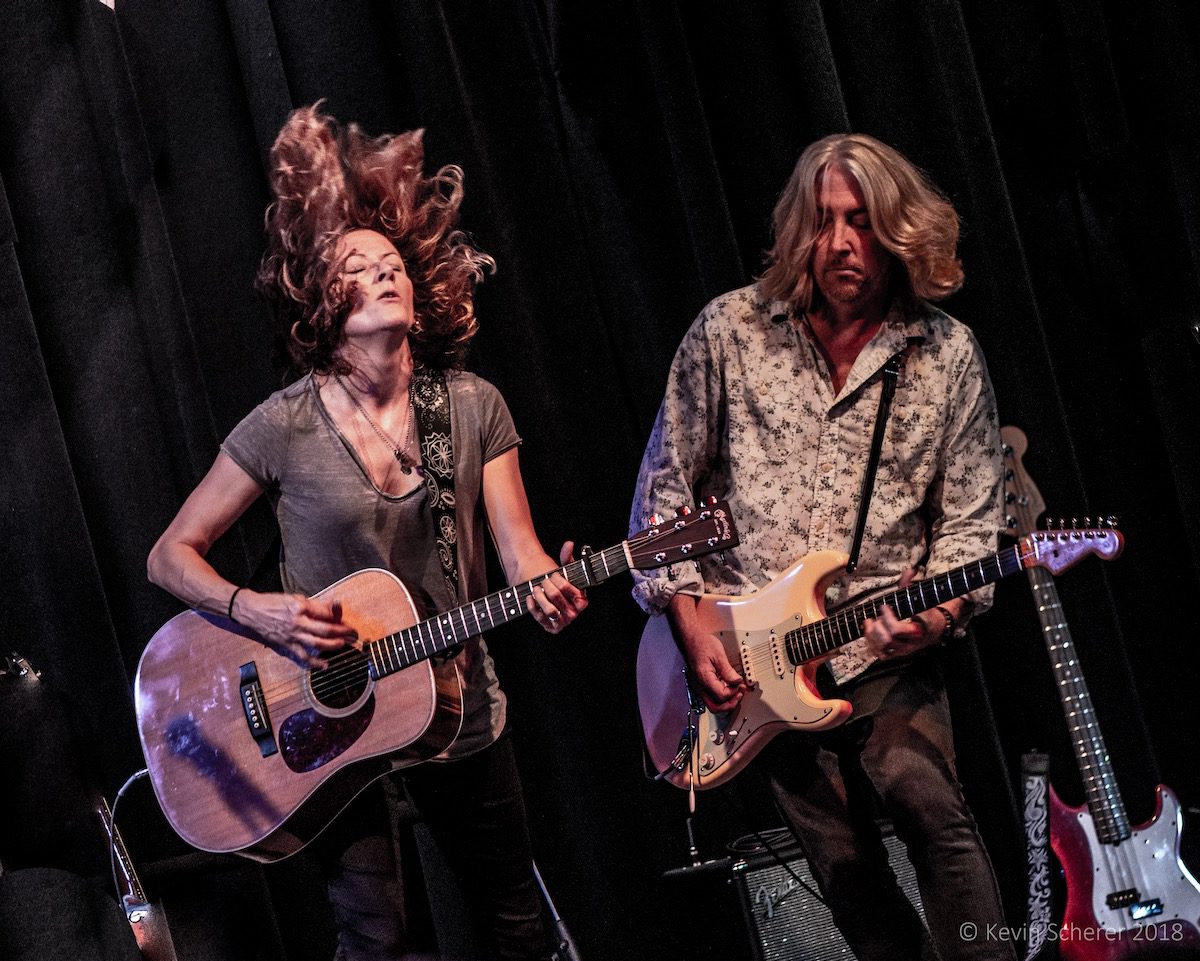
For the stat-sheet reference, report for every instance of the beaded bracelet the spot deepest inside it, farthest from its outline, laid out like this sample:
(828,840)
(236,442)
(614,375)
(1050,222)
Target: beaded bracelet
(235,593)
(951,623)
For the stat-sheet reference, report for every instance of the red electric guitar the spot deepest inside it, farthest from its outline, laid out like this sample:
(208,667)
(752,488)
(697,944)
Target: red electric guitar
(1127,889)
(248,752)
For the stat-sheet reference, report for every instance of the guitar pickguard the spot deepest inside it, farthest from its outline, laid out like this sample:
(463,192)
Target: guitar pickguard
(781,697)
(1127,897)
(309,739)
(778,700)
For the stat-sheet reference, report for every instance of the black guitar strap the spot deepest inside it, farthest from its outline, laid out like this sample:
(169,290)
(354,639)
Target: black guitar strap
(431,403)
(891,371)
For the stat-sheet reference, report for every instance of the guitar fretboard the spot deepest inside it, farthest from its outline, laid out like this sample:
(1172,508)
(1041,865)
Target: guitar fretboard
(822,637)
(437,635)
(1099,781)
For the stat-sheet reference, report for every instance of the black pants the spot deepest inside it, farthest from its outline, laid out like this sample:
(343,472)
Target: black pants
(475,810)
(898,747)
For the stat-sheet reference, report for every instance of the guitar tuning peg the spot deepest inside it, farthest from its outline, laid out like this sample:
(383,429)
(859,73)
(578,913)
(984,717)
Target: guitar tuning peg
(1062,522)
(1110,521)
(1010,521)
(1087,522)
(683,511)
(710,500)
(653,520)
(1006,449)
(1074,522)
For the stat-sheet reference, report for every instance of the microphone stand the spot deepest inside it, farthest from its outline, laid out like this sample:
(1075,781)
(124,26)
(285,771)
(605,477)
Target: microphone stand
(564,944)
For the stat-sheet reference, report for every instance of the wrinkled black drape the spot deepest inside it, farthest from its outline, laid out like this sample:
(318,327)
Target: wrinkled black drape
(622,160)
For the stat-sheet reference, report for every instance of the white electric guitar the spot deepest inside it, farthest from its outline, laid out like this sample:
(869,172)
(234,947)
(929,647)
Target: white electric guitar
(777,638)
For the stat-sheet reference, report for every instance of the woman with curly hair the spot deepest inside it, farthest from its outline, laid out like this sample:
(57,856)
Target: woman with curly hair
(384,453)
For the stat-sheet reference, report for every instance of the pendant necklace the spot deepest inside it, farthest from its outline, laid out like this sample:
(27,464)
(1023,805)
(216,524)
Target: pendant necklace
(406,461)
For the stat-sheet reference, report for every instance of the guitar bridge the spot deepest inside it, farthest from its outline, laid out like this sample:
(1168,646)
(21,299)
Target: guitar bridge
(255,709)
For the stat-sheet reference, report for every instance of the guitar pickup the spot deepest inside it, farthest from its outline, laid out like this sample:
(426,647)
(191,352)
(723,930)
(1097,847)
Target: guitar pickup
(255,709)
(1122,899)
(1141,910)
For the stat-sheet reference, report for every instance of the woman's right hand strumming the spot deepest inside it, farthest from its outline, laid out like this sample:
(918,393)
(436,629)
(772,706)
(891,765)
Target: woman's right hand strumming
(305,629)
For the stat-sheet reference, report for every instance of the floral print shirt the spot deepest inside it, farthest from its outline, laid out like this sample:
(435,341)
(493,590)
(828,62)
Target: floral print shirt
(750,416)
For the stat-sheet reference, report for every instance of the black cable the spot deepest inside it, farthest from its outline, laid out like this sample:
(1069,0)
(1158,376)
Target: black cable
(111,828)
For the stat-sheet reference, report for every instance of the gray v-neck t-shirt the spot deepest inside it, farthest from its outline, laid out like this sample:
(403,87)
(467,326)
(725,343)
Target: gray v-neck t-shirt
(334,521)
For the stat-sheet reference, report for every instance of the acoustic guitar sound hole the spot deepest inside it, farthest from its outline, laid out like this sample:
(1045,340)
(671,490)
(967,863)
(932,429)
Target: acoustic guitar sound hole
(343,683)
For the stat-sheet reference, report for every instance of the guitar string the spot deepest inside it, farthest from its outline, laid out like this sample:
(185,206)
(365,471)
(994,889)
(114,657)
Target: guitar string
(349,669)
(346,674)
(1121,871)
(355,672)
(1115,860)
(334,679)
(352,667)
(761,655)
(326,684)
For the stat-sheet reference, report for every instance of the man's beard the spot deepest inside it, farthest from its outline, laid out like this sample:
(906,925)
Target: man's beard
(844,290)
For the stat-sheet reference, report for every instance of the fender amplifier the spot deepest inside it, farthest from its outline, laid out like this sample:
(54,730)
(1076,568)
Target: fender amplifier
(785,922)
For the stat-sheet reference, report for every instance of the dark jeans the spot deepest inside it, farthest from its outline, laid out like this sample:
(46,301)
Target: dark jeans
(898,746)
(475,811)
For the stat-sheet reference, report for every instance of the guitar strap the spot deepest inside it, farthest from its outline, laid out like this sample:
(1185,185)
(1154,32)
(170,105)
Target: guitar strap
(891,371)
(431,403)
(1034,770)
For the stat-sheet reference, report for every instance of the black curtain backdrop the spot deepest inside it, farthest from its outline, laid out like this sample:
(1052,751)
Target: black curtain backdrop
(622,160)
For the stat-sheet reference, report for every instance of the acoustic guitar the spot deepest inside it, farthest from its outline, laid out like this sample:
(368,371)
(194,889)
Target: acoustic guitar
(249,752)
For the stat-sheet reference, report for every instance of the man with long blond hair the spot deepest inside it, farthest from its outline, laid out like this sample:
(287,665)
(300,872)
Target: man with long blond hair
(771,404)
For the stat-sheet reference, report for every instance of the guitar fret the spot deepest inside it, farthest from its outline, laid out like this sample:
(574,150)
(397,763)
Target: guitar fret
(449,628)
(823,636)
(384,653)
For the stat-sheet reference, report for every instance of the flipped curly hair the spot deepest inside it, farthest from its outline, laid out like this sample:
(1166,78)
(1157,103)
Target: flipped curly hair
(911,219)
(329,179)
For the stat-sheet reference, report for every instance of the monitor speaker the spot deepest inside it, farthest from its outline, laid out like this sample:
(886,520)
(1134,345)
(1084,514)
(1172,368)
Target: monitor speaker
(785,922)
